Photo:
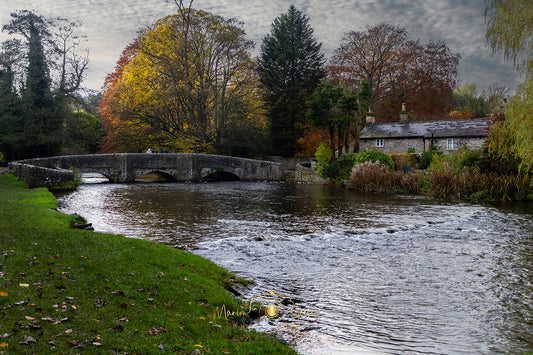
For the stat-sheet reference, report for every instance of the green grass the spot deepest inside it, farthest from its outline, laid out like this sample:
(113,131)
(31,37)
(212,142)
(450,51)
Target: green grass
(75,291)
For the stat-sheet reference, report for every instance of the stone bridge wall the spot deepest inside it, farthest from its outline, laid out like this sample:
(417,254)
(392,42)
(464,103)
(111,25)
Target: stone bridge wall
(127,167)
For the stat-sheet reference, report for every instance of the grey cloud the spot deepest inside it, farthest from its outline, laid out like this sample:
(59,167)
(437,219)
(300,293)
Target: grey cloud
(111,25)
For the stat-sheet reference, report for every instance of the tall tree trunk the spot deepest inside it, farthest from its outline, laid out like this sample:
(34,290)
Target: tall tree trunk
(340,140)
(332,142)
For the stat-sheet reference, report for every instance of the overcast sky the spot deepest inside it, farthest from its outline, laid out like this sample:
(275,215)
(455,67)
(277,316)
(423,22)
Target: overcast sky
(112,24)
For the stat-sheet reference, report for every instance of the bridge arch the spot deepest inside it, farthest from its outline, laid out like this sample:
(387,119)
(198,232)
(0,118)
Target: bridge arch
(221,176)
(155,176)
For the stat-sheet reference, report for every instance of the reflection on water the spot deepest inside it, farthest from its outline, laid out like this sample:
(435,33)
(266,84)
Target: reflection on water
(387,274)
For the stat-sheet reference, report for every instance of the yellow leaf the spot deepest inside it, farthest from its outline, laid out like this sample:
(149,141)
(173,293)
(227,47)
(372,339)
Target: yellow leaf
(24,285)
(73,307)
(202,318)
(198,346)
(4,345)
(3,293)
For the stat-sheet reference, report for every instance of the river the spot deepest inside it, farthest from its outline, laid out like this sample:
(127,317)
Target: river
(366,273)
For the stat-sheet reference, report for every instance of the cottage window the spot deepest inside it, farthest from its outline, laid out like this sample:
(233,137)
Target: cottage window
(452,144)
(380,142)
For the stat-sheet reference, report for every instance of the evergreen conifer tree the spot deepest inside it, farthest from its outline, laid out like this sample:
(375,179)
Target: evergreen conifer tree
(290,67)
(42,130)
(10,110)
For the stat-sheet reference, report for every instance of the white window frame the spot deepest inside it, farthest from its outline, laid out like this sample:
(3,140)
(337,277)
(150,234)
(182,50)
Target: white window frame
(380,142)
(452,144)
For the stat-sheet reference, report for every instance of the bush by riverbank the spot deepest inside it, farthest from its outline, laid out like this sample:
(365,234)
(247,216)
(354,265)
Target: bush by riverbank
(64,290)
(442,182)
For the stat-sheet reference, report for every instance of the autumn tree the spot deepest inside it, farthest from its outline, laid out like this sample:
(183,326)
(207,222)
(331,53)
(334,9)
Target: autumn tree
(334,108)
(399,70)
(188,85)
(118,136)
(510,30)
(290,66)
(468,102)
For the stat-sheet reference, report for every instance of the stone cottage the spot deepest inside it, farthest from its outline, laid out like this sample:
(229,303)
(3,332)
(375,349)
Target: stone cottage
(446,135)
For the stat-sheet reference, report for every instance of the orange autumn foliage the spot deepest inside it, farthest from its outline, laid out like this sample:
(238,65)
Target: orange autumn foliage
(311,140)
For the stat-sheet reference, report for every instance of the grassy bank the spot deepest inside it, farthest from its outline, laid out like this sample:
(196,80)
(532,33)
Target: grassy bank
(73,291)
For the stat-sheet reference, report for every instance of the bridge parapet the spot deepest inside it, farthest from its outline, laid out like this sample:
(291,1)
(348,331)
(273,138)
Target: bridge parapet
(126,167)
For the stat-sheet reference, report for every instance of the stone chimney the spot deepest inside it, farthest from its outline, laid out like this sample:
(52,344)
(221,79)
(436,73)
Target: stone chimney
(370,117)
(404,117)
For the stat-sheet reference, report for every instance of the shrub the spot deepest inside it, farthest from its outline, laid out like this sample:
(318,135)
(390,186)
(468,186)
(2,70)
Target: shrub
(339,170)
(476,159)
(475,185)
(370,177)
(323,158)
(374,156)
(425,159)
(401,160)
(482,160)
(374,177)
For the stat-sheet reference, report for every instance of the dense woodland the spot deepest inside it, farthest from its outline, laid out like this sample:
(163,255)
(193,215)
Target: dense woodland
(188,83)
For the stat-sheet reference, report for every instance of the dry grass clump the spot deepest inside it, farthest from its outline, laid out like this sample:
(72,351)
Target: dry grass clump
(472,184)
(441,181)
(373,177)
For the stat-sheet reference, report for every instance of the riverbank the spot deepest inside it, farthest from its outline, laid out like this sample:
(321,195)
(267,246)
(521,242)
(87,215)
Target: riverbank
(65,290)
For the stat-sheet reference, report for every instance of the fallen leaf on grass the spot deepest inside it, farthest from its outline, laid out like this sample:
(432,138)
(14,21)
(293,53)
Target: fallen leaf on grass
(27,340)
(3,294)
(24,285)
(4,345)
(75,344)
(51,320)
(156,331)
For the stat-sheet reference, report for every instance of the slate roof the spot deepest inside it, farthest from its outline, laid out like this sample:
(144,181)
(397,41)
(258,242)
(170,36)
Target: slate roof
(474,127)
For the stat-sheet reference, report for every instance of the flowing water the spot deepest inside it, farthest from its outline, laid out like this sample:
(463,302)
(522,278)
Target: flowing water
(366,273)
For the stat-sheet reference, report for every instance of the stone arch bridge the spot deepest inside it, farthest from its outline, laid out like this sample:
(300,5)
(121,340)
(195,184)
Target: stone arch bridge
(126,167)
